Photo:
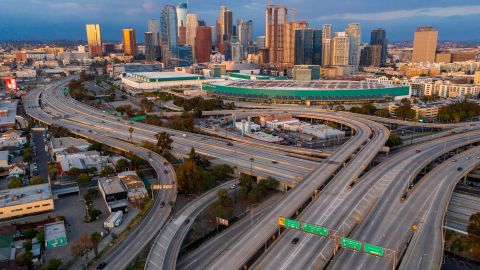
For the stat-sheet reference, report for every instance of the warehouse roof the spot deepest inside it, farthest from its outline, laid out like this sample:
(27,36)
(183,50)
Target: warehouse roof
(305,85)
(17,196)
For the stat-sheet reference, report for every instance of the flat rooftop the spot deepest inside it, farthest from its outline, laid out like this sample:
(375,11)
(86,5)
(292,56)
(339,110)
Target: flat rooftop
(166,75)
(11,108)
(28,194)
(111,185)
(305,85)
(66,142)
(54,230)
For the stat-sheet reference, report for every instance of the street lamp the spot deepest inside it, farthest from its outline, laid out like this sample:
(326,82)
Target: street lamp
(252,159)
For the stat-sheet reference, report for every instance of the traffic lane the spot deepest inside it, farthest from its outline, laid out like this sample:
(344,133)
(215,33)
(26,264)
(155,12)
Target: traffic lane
(41,157)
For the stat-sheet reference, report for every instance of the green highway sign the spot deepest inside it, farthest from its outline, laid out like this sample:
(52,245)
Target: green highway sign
(311,228)
(374,250)
(292,224)
(350,243)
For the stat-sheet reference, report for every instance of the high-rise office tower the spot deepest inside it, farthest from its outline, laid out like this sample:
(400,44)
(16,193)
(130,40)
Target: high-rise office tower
(371,56)
(185,56)
(425,44)
(354,33)
(326,52)
(94,40)
(129,41)
(226,23)
(192,24)
(150,47)
(154,28)
(379,37)
(182,35)
(169,36)
(326,31)
(261,42)
(340,49)
(245,35)
(108,48)
(203,44)
(181,10)
(289,40)
(236,49)
(218,34)
(308,47)
(276,17)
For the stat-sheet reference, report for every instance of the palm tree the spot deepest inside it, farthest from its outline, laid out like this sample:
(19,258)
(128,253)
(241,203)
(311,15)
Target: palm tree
(131,129)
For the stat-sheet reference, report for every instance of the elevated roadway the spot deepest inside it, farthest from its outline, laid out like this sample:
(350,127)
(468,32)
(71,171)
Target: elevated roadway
(127,249)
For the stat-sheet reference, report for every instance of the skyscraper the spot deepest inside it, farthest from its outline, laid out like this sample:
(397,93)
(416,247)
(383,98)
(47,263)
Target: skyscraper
(371,56)
(354,33)
(203,44)
(226,23)
(425,44)
(245,35)
(150,47)
(181,10)
(326,52)
(129,41)
(182,35)
(192,24)
(261,42)
(154,28)
(94,40)
(289,40)
(379,37)
(276,17)
(169,36)
(340,49)
(236,51)
(308,47)
(326,31)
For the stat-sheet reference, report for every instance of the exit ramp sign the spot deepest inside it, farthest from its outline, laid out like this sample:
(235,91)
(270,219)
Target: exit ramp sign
(350,243)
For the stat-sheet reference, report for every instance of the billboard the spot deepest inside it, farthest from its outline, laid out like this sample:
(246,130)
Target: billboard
(11,84)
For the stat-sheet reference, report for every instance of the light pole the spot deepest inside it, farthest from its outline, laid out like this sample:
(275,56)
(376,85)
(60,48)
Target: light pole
(252,159)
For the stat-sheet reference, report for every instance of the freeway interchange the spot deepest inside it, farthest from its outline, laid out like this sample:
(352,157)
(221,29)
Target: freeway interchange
(373,204)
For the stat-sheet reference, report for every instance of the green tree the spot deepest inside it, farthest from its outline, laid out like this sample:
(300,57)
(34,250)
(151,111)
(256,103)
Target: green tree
(24,259)
(53,264)
(95,238)
(53,170)
(15,183)
(405,111)
(164,142)
(473,228)
(95,146)
(146,105)
(107,171)
(188,177)
(122,164)
(94,213)
(84,178)
(383,113)
(223,207)
(393,140)
(130,131)
(36,180)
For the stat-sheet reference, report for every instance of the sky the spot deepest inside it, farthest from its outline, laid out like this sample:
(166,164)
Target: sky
(66,19)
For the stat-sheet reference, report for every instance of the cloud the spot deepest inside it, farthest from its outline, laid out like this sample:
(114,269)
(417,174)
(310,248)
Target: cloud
(146,7)
(406,13)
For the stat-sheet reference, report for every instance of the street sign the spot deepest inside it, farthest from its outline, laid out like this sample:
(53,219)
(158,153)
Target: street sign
(289,223)
(350,243)
(281,221)
(311,228)
(374,250)
(292,224)
(222,221)
(160,186)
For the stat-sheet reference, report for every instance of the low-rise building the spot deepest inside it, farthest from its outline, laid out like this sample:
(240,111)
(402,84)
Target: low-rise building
(55,235)
(12,138)
(81,160)
(135,186)
(16,170)
(114,193)
(4,159)
(27,200)
(8,112)
(322,132)
(62,143)
(422,111)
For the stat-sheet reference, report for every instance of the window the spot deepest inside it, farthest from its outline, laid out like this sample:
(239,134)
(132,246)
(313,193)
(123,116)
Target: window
(37,206)
(46,204)
(29,207)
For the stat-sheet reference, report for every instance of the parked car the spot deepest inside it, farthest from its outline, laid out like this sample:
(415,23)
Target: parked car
(295,240)
(101,265)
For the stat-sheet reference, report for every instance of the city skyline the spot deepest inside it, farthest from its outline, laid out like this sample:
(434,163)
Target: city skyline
(66,20)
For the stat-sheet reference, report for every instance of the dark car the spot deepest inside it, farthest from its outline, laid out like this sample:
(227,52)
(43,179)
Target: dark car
(295,240)
(101,265)
(229,144)
(274,162)
(459,168)
(418,150)
(162,204)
